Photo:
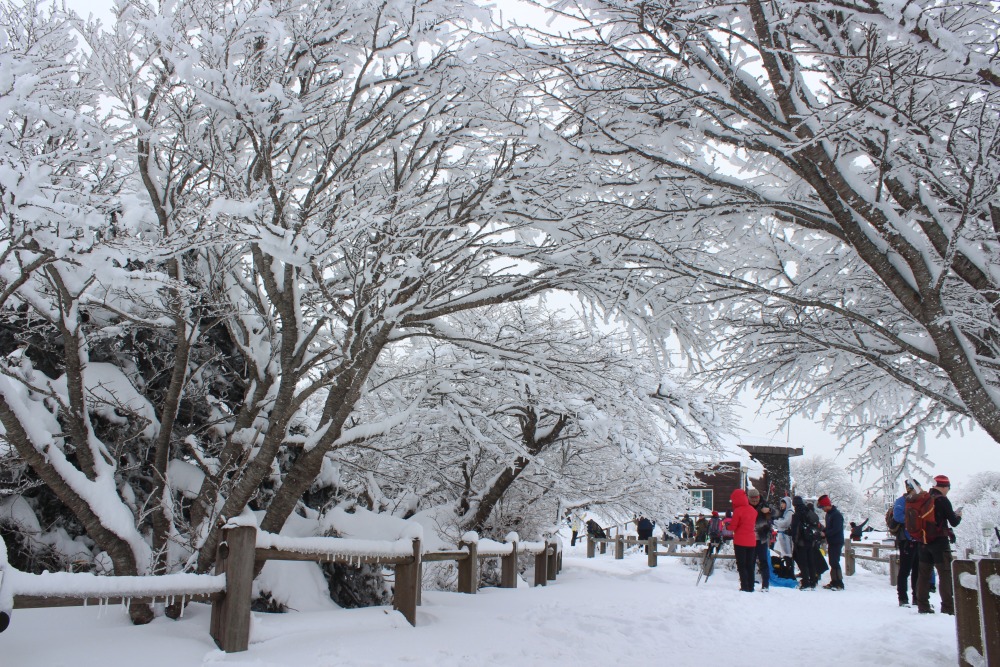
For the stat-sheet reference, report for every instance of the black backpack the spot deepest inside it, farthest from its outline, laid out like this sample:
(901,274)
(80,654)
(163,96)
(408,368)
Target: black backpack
(893,527)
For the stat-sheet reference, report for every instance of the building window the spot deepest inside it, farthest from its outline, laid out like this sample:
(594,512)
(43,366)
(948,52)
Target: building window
(701,498)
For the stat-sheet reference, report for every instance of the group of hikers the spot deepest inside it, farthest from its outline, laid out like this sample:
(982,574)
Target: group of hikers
(920,521)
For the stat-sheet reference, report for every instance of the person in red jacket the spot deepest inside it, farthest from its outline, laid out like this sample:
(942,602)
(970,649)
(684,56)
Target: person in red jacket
(744,537)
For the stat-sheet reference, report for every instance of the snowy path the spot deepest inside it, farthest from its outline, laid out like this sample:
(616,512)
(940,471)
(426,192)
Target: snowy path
(599,612)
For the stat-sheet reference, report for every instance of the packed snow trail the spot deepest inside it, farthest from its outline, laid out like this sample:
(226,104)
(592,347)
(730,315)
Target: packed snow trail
(599,612)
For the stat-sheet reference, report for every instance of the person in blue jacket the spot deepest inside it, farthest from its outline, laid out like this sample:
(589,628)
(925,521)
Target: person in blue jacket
(834,533)
(907,549)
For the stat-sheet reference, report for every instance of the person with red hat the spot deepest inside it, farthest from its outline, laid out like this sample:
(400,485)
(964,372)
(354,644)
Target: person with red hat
(834,533)
(934,551)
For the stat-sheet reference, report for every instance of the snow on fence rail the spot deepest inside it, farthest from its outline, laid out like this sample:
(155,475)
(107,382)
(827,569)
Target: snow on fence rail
(243,548)
(976,585)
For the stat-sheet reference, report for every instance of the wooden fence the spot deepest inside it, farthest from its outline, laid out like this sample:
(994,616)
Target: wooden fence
(243,548)
(673,548)
(877,552)
(976,584)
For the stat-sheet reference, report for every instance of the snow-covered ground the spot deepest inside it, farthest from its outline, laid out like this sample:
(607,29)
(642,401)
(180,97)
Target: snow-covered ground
(599,612)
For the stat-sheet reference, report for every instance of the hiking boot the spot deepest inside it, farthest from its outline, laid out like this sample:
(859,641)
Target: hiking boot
(831,586)
(904,603)
(763,589)
(926,610)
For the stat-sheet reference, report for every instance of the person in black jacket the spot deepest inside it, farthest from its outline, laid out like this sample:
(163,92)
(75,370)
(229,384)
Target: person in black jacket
(834,534)
(936,553)
(644,527)
(804,522)
(762,527)
(858,531)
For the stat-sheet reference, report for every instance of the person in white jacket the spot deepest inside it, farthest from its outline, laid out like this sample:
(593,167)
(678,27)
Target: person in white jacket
(781,524)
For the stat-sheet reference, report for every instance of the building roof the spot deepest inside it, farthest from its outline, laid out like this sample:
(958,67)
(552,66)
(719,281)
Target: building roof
(787,450)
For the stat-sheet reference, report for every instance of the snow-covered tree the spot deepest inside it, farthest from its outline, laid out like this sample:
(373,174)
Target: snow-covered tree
(815,476)
(821,176)
(524,410)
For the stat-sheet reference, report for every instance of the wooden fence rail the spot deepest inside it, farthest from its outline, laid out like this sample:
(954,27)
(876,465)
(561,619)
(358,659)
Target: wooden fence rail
(652,555)
(976,585)
(243,548)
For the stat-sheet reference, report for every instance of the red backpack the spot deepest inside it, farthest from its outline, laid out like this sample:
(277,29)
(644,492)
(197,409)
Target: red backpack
(920,519)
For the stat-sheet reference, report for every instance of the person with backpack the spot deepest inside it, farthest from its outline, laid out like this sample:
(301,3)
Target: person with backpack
(895,523)
(928,517)
(834,534)
(715,529)
(762,530)
(805,529)
(701,529)
(742,526)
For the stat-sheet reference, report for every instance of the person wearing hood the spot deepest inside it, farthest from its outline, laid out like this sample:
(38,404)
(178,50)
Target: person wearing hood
(744,537)
(783,524)
(784,543)
(804,529)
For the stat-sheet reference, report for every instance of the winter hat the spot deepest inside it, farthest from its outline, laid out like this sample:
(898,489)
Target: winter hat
(941,480)
(714,513)
(824,501)
(908,484)
(753,493)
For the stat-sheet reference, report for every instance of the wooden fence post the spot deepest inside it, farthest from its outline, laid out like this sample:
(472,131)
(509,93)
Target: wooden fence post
(407,588)
(893,569)
(230,623)
(590,547)
(875,549)
(552,566)
(989,608)
(508,568)
(468,569)
(620,547)
(849,559)
(604,546)
(967,622)
(541,561)
(651,556)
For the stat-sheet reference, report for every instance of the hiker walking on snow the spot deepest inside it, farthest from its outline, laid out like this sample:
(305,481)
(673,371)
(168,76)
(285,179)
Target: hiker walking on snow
(762,530)
(742,526)
(834,533)
(929,517)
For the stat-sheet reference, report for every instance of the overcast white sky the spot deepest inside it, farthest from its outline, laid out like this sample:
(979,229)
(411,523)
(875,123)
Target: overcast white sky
(958,456)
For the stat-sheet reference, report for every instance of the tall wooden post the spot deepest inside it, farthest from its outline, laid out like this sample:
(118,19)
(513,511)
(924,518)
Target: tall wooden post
(230,624)
(989,608)
(541,562)
(604,546)
(552,566)
(893,569)
(407,588)
(967,623)
(849,559)
(651,556)
(508,568)
(468,569)
(620,547)
(590,547)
